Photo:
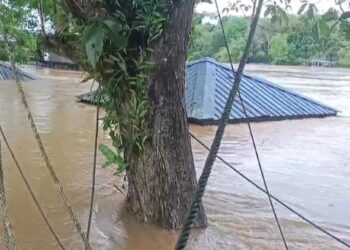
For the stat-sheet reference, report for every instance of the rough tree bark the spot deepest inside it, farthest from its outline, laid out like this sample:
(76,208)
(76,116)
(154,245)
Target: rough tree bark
(162,181)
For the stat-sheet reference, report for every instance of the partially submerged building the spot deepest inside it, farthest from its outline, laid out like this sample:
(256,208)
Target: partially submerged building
(209,82)
(6,73)
(52,60)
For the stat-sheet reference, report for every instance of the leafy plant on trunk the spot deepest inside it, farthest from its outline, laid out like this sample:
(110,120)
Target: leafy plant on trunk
(136,51)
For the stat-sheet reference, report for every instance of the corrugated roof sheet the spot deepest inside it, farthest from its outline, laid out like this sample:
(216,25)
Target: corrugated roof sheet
(208,84)
(6,73)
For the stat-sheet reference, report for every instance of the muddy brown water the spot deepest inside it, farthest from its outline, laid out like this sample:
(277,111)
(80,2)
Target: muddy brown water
(306,163)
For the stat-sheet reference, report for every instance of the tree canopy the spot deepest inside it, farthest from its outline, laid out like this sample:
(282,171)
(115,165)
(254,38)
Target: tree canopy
(280,38)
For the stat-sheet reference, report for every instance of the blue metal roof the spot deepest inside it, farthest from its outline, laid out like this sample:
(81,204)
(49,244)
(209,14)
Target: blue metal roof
(6,73)
(209,82)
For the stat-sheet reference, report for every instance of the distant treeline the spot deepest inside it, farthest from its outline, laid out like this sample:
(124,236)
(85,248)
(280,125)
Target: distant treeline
(296,41)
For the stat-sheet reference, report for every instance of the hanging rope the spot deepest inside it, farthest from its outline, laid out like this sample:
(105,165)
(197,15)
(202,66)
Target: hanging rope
(41,145)
(262,172)
(203,180)
(17,79)
(93,172)
(19,168)
(9,236)
(47,161)
(274,197)
(253,25)
(42,149)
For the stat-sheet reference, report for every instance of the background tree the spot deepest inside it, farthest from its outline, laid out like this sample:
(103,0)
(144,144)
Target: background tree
(18,23)
(281,38)
(279,49)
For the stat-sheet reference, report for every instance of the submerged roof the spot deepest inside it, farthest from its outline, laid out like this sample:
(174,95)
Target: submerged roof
(6,73)
(208,84)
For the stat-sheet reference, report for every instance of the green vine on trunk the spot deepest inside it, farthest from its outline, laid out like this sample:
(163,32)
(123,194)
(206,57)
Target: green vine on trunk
(117,54)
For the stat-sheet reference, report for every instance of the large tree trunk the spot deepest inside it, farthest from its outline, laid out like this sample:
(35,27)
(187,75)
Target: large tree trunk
(163,179)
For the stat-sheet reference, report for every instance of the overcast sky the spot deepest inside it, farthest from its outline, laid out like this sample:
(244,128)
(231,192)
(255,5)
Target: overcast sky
(322,5)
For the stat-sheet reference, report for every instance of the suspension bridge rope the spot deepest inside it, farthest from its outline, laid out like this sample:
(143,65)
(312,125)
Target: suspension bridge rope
(262,172)
(46,159)
(203,179)
(9,236)
(19,168)
(93,172)
(253,25)
(315,225)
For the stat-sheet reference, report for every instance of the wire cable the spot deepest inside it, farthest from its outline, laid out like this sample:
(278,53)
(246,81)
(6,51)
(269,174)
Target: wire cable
(257,14)
(93,173)
(262,171)
(9,235)
(274,197)
(30,190)
(47,160)
(203,179)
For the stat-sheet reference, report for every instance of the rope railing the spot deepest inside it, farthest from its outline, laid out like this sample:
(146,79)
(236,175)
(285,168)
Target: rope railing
(262,172)
(9,236)
(304,218)
(253,25)
(93,182)
(47,161)
(204,177)
(41,145)
(36,202)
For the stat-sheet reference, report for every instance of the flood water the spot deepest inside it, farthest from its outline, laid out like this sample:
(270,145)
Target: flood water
(306,163)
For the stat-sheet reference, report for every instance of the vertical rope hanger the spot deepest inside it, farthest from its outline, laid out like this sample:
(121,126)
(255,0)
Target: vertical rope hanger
(276,199)
(41,145)
(47,160)
(203,180)
(93,182)
(9,236)
(251,134)
(36,202)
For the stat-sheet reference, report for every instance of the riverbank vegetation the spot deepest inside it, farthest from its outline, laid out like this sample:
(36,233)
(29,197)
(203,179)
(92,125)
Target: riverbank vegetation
(284,39)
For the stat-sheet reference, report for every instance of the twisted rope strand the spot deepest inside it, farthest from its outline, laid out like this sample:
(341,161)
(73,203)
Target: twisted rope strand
(9,235)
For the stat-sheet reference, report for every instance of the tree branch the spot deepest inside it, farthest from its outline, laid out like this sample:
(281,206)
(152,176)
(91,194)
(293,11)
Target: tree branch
(76,9)
(56,45)
(41,15)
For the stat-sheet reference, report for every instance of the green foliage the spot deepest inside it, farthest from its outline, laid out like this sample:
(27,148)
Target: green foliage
(279,49)
(277,13)
(112,158)
(94,37)
(308,9)
(330,15)
(200,45)
(117,38)
(344,55)
(297,41)
(345,15)
(14,33)
(344,29)
(207,39)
